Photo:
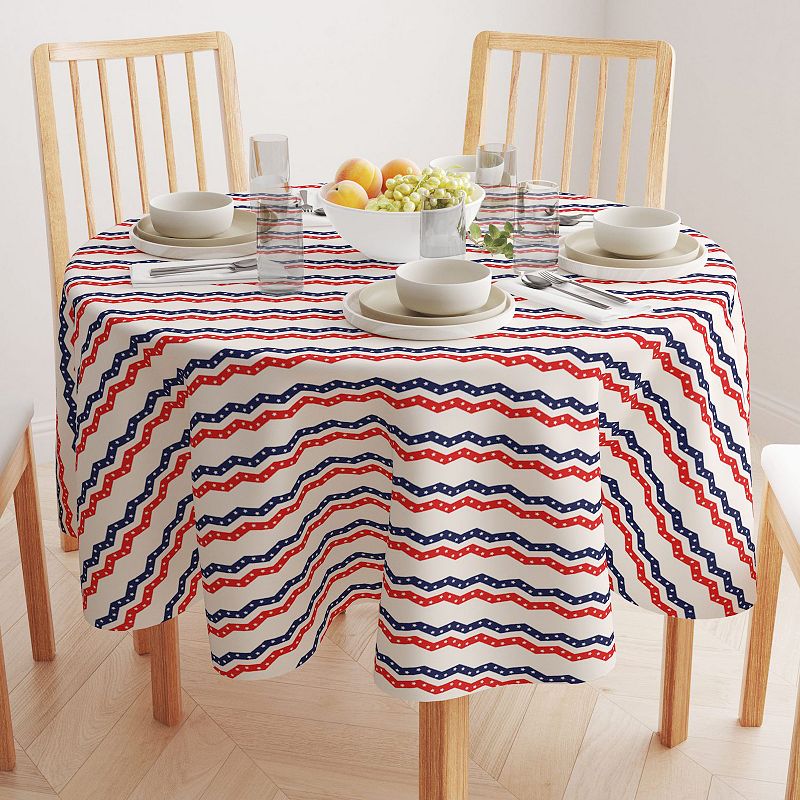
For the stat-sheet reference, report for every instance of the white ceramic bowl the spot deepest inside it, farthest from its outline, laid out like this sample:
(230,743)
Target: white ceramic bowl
(461,163)
(385,235)
(191,215)
(636,231)
(443,286)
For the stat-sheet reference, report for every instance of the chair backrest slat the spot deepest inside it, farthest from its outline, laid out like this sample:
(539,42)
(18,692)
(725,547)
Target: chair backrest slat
(541,116)
(513,90)
(129,50)
(599,124)
(80,133)
(578,50)
(166,123)
(138,140)
(627,126)
(197,131)
(111,148)
(569,126)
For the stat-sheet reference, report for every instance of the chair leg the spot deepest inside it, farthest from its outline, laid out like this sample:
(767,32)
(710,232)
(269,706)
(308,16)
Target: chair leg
(69,544)
(8,755)
(141,641)
(34,566)
(762,624)
(443,749)
(793,776)
(676,680)
(165,672)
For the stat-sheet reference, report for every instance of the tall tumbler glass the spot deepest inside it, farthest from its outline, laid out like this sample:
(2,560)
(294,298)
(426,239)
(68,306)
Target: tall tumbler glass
(536,226)
(443,232)
(496,165)
(269,162)
(279,242)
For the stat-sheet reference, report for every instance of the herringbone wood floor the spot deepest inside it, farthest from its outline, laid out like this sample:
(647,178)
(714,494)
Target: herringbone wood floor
(84,730)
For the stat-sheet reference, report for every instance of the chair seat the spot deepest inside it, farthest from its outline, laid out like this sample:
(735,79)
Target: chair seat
(781,463)
(15,416)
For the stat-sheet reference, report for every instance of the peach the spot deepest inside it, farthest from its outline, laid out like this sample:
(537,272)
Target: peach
(363,172)
(347,193)
(398,166)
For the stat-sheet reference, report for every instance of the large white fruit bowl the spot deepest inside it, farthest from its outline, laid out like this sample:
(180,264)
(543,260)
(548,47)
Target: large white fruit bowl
(385,235)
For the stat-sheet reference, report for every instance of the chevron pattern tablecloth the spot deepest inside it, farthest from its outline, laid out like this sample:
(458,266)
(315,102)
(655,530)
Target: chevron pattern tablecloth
(490,492)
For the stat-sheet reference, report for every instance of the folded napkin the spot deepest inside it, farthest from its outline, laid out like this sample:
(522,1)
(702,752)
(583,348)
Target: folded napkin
(315,221)
(140,274)
(550,298)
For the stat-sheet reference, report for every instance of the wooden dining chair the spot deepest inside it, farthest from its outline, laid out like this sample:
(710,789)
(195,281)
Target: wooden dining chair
(578,51)
(18,478)
(678,632)
(161,639)
(778,536)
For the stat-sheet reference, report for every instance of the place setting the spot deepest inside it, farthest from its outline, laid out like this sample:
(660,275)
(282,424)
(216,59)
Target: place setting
(204,237)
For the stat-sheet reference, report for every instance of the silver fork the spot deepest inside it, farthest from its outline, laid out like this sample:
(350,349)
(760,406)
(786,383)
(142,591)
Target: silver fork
(556,278)
(243,265)
(306,207)
(538,281)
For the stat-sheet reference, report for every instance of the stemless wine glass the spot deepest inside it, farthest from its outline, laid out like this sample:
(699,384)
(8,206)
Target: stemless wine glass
(443,232)
(496,165)
(269,162)
(536,226)
(279,242)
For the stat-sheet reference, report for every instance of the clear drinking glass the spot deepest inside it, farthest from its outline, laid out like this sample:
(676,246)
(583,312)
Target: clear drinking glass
(443,232)
(536,226)
(496,165)
(269,162)
(279,242)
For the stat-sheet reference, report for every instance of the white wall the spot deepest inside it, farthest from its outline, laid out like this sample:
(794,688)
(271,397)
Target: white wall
(341,78)
(735,165)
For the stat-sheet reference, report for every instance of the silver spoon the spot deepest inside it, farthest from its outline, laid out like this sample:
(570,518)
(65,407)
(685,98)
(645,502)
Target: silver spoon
(540,282)
(567,220)
(243,265)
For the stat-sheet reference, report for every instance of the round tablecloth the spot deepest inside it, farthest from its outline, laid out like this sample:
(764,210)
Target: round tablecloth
(490,492)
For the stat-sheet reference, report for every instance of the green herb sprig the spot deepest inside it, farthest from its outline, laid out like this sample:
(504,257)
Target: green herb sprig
(495,240)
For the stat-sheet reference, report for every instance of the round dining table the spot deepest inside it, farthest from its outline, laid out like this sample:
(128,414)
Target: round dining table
(496,495)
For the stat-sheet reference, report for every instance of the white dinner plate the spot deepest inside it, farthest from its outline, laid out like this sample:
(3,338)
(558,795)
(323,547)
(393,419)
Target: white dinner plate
(189,253)
(243,229)
(581,246)
(423,333)
(379,301)
(634,274)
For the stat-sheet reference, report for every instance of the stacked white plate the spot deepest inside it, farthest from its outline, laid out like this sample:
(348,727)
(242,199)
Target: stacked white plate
(238,240)
(580,254)
(377,309)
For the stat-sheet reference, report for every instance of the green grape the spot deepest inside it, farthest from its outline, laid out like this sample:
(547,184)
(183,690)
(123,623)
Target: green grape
(433,188)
